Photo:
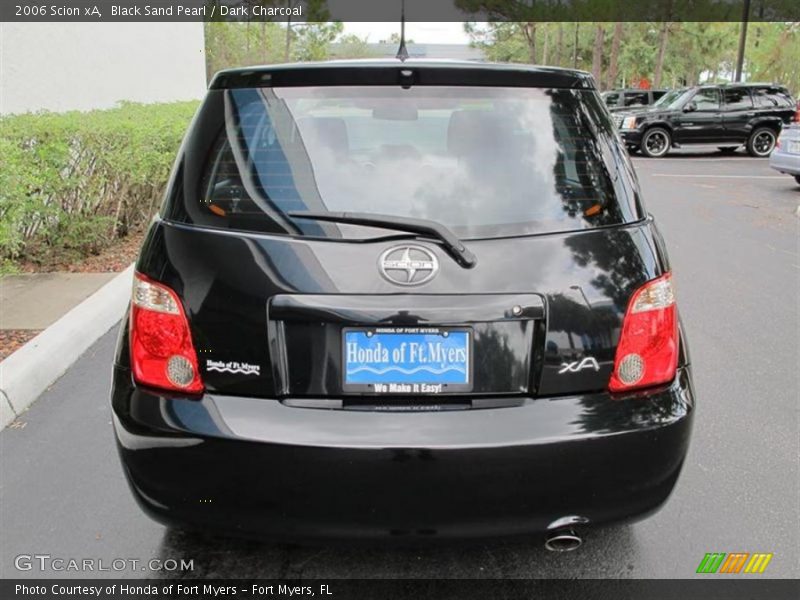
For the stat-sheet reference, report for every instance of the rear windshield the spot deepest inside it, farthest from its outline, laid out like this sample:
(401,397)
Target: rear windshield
(485,162)
(636,98)
(772,97)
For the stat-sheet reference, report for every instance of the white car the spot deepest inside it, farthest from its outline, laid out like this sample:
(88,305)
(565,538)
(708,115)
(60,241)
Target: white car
(786,156)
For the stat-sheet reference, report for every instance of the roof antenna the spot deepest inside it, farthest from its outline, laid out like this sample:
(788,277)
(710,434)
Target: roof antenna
(402,51)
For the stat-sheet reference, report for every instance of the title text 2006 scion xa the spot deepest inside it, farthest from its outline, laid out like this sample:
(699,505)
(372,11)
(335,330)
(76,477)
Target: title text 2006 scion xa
(402,299)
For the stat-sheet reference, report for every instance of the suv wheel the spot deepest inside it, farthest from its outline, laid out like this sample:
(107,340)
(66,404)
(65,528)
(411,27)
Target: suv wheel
(761,142)
(656,142)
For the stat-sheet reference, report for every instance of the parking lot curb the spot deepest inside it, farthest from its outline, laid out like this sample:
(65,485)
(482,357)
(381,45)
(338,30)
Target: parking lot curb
(38,364)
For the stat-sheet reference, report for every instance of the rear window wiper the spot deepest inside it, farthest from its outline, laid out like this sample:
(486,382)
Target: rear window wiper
(423,227)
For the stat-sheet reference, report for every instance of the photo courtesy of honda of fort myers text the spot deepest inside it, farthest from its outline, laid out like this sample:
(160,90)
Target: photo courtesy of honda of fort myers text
(399,299)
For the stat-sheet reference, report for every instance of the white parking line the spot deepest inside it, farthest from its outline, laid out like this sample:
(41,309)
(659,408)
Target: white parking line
(720,176)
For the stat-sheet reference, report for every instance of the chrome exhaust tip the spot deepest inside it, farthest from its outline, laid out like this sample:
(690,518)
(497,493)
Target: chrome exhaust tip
(563,540)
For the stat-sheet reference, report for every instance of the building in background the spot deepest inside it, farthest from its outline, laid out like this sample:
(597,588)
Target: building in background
(83,66)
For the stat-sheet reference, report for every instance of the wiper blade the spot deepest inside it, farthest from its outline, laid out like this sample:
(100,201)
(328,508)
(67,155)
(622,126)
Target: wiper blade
(424,227)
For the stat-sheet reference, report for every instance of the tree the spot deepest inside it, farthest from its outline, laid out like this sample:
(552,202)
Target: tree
(546,43)
(235,44)
(290,4)
(773,54)
(559,45)
(662,52)
(613,63)
(317,15)
(529,30)
(597,52)
(520,13)
(662,43)
(500,41)
(395,39)
(352,46)
(314,39)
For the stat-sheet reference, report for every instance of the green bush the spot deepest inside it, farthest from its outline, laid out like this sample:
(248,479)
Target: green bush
(70,183)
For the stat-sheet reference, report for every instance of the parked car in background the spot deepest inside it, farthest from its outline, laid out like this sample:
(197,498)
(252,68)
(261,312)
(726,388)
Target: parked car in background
(726,116)
(402,300)
(617,100)
(786,157)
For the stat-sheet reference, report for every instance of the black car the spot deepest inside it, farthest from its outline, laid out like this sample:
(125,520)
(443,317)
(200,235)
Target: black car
(402,300)
(619,100)
(726,116)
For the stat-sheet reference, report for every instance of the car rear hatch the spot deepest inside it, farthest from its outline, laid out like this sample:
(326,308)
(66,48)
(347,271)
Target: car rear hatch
(270,317)
(531,180)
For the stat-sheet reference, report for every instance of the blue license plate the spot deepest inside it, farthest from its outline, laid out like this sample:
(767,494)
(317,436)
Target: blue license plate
(407,360)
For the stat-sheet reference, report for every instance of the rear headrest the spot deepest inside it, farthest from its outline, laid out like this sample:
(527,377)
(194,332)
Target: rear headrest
(330,132)
(470,131)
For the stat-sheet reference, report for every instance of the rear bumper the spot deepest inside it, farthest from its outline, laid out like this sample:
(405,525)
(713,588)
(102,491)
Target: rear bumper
(255,467)
(785,162)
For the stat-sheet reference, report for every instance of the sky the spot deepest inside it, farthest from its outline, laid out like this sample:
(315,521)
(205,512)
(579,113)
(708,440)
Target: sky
(421,33)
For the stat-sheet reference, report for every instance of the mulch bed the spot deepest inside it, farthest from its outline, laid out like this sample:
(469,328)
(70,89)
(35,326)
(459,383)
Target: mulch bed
(113,259)
(12,339)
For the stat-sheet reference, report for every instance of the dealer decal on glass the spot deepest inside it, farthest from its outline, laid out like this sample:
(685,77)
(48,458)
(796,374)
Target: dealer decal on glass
(407,360)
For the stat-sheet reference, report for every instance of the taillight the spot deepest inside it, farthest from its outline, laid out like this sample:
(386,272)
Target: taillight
(796,117)
(162,354)
(647,353)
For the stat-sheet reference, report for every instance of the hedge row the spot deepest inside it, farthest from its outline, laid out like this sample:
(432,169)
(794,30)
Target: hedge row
(70,183)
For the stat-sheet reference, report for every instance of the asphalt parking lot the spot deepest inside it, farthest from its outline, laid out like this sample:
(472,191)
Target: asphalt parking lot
(732,231)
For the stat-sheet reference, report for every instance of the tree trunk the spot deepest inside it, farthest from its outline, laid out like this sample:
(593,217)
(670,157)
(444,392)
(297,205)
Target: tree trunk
(662,50)
(264,42)
(288,46)
(545,45)
(559,45)
(597,53)
(575,46)
(613,66)
(529,29)
(288,38)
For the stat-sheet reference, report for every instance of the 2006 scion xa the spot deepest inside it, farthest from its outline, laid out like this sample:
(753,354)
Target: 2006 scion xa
(402,299)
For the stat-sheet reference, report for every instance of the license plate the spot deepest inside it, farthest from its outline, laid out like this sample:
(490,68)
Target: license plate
(407,360)
(793,147)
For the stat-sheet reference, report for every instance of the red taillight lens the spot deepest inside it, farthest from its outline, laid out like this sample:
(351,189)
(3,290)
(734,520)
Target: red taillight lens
(796,118)
(647,353)
(162,354)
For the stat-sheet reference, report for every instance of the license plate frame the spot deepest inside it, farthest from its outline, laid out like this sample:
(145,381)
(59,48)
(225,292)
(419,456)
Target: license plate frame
(423,381)
(793,147)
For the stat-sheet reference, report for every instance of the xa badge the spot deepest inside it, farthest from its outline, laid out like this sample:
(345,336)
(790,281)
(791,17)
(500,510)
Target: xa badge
(408,265)
(587,363)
